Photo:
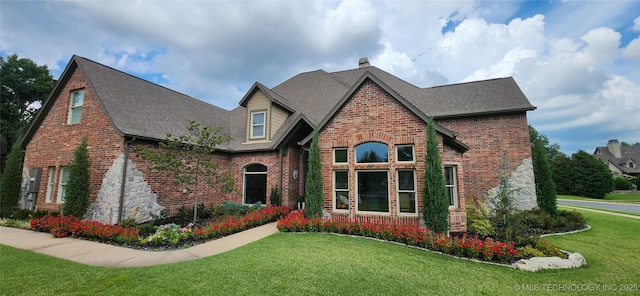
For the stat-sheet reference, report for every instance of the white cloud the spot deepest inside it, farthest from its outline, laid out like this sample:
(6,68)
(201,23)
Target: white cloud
(632,51)
(636,24)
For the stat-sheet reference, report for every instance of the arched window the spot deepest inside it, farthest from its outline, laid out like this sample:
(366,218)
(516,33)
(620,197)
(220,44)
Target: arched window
(255,184)
(372,152)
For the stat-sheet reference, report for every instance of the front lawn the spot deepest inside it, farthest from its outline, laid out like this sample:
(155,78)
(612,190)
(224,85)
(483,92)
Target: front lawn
(611,197)
(321,264)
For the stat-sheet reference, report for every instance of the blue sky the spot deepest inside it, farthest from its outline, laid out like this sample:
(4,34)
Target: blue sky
(577,61)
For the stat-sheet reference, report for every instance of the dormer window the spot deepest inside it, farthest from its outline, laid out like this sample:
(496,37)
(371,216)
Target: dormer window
(75,106)
(258,124)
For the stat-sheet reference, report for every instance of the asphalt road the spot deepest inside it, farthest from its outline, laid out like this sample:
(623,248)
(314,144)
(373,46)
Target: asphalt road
(601,205)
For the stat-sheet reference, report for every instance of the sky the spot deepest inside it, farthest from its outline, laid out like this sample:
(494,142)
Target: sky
(578,62)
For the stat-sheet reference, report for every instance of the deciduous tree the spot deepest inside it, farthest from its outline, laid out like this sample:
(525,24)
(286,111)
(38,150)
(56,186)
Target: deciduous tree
(22,84)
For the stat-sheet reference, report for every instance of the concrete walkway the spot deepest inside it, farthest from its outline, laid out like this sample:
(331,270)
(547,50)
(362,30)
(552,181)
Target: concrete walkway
(98,254)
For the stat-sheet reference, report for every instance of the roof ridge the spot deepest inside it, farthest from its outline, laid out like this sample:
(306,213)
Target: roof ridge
(148,82)
(468,82)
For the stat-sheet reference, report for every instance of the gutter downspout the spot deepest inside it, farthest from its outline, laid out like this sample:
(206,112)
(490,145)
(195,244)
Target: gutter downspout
(124,178)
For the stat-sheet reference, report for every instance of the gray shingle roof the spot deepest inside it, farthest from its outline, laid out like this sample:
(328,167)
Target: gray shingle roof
(627,153)
(139,108)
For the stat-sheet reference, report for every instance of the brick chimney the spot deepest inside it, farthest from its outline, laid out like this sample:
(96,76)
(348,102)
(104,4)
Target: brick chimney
(614,148)
(363,62)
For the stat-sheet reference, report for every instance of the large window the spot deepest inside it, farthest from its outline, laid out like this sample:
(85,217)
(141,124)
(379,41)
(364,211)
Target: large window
(255,184)
(258,125)
(404,153)
(75,107)
(373,191)
(341,189)
(407,192)
(50,183)
(62,184)
(450,178)
(372,152)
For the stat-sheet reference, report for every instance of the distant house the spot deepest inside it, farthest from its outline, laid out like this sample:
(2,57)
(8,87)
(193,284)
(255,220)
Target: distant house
(622,160)
(372,138)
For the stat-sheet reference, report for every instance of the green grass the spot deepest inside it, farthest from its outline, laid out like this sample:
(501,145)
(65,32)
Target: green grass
(611,197)
(325,264)
(571,207)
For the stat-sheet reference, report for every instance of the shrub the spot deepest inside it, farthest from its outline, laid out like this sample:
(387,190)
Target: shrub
(570,219)
(21,214)
(435,201)
(478,218)
(274,197)
(11,181)
(78,186)
(620,183)
(466,246)
(42,213)
(527,252)
(548,249)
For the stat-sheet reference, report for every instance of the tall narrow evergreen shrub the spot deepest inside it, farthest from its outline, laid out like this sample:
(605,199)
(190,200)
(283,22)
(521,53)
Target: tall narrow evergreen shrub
(11,181)
(435,202)
(78,188)
(314,197)
(545,188)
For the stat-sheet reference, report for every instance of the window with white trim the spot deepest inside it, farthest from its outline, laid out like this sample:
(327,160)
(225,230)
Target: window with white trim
(75,106)
(258,125)
(341,190)
(255,184)
(373,191)
(372,152)
(50,183)
(340,155)
(404,153)
(407,203)
(62,184)
(451,180)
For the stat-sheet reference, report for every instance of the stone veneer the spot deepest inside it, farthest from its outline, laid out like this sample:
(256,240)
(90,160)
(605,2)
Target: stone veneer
(139,202)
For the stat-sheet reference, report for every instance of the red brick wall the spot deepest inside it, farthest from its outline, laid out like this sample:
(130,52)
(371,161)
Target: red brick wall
(55,141)
(490,138)
(372,115)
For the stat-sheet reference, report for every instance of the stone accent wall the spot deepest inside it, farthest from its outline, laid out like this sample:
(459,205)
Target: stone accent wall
(372,115)
(55,141)
(139,203)
(491,138)
(522,186)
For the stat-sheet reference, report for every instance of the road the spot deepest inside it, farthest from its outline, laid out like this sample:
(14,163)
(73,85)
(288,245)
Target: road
(601,205)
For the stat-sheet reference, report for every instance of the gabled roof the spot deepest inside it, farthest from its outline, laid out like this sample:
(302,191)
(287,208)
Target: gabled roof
(627,153)
(449,136)
(139,108)
(315,93)
(136,107)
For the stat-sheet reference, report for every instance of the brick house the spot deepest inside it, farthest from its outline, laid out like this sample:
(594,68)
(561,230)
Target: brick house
(372,138)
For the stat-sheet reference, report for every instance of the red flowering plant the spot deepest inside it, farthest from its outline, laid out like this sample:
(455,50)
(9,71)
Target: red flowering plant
(63,226)
(410,234)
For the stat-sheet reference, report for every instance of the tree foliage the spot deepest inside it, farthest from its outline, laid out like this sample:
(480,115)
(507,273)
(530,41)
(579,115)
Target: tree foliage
(188,159)
(545,188)
(78,188)
(435,202)
(11,181)
(583,175)
(22,83)
(314,196)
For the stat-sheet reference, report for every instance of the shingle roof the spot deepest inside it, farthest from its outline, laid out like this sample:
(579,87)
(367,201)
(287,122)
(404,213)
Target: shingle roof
(139,108)
(627,153)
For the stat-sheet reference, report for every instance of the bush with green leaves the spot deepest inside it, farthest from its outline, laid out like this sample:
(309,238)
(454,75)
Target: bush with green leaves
(78,186)
(274,197)
(314,192)
(10,184)
(435,202)
(620,183)
(479,218)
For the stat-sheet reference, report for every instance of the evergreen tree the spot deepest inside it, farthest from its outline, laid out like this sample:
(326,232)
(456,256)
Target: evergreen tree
(314,197)
(11,181)
(78,188)
(435,202)
(562,174)
(545,189)
(593,177)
